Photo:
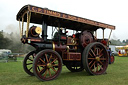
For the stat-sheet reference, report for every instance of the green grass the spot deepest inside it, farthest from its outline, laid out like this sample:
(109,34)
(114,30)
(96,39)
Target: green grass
(12,73)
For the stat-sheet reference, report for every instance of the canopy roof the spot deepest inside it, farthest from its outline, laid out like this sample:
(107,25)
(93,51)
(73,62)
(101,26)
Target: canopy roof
(58,19)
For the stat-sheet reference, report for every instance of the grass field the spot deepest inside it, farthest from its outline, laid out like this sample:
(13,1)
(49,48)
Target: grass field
(12,73)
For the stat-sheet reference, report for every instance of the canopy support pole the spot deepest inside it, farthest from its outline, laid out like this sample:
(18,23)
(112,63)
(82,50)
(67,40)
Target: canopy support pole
(109,36)
(103,34)
(28,21)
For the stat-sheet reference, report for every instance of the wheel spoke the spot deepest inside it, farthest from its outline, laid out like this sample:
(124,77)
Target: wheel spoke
(30,68)
(38,68)
(100,55)
(91,58)
(50,57)
(97,67)
(102,58)
(93,52)
(53,69)
(45,73)
(53,61)
(42,70)
(90,54)
(97,52)
(92,64)
(101,67)
(100,51)
(30,59)
(29,63)
(46,57)
(41,65)
(49,72)
(101,63)
(55,65)
(42,60)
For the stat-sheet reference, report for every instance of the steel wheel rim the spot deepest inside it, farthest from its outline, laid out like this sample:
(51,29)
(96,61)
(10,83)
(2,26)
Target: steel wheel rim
(91,63)
(97,59)
(48,66)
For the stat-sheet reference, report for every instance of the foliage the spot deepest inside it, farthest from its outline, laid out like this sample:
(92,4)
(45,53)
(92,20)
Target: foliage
(4,42)
(117,42)
(12,41)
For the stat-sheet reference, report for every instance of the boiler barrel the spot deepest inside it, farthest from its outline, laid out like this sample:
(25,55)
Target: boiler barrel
(54,46)
(44,46)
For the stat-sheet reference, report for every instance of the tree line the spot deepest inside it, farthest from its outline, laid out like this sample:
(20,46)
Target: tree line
(12,42)
(119,42)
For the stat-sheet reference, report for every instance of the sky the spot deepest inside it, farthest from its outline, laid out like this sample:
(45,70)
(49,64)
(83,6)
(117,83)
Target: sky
(113,12)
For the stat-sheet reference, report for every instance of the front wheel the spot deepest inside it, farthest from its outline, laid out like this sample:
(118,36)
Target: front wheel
(95,58)
(47,65)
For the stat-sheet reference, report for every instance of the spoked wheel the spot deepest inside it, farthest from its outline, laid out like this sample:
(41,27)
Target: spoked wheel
(74,68)
(47,65)
(95,58)
(112,59)
(28,62)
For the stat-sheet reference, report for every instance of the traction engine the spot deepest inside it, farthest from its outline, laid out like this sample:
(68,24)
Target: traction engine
(79,51)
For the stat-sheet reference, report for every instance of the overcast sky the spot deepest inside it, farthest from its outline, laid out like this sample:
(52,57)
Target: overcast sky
(114,12)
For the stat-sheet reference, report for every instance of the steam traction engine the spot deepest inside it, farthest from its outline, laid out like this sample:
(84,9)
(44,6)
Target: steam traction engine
(79,51)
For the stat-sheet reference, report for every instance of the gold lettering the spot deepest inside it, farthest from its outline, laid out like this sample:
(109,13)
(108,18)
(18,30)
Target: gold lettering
(96,23)
(72,17)
(69,16)
(45,11)
(49,12)
(64,16)
(79,19)
(58,14)
(40,10)
(101,25)
(90,22)
(54,13)
(83,20)
(33,8)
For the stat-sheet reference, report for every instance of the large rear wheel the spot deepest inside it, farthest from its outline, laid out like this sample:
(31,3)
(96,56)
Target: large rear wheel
(95,58)
(47,65)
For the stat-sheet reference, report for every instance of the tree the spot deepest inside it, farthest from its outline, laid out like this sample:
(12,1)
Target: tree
(12,41)
(117,42)
(4,42)
(124,41)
